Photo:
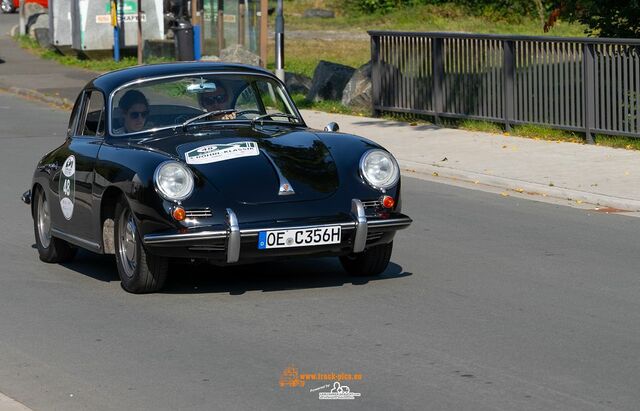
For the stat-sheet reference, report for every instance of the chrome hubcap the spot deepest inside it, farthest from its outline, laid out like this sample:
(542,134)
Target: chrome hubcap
(127,242)
(6,6)
(44,221)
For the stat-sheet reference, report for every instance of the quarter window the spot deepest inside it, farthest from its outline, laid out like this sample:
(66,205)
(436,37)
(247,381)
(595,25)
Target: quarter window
(93,124)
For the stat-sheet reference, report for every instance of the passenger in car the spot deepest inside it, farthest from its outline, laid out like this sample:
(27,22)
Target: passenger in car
(135,110)
(219,99)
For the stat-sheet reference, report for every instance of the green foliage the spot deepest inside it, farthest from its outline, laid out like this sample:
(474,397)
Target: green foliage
(604,18)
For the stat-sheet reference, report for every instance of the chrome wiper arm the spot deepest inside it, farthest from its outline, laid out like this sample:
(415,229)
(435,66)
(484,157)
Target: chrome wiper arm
(205,115)
(263,116)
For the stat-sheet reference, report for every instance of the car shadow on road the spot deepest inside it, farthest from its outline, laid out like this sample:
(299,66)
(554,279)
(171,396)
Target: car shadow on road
(97,266)
(267,277)
(185,278)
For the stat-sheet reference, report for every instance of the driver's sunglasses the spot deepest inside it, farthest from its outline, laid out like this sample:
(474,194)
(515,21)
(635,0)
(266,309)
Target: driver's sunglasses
(135,114)
(209,100)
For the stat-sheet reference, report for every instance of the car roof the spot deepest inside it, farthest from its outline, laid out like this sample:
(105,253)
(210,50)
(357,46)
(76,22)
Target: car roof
(109,81)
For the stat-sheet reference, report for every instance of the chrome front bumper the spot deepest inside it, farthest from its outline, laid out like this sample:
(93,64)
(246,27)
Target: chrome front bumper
(233,234)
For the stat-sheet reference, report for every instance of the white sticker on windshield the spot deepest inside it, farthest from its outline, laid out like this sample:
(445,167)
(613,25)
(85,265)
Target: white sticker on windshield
(221,152)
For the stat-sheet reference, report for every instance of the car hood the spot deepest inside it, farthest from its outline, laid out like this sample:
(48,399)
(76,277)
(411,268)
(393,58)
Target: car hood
(249,165)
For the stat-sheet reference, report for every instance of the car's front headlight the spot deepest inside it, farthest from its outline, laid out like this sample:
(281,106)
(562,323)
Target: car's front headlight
(173,180)
(379,169)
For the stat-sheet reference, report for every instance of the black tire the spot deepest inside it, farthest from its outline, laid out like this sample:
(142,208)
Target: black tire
(7,6)
(371,262)
(50,249)
(139,271)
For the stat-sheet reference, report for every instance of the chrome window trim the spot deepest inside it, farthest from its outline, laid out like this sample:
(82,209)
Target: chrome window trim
(200,73)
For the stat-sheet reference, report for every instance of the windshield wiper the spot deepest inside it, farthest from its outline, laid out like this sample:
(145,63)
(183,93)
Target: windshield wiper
(205,115)
(263,116)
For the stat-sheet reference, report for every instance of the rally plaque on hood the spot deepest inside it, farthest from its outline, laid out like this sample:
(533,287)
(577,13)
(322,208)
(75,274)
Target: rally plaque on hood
(213,153)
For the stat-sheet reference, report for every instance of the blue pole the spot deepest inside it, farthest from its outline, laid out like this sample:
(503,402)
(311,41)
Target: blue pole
(197,48)
(116,44)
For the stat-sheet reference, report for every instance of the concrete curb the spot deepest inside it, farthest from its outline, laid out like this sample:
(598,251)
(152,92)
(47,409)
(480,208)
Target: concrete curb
(521,186)
(60,102)
(432,170)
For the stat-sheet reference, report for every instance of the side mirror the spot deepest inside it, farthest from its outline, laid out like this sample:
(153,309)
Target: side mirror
(332,127)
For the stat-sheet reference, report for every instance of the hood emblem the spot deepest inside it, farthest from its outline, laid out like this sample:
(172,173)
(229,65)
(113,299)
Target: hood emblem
(285,186)
(285,189)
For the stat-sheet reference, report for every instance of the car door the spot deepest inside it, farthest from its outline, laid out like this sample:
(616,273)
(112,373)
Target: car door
(75,178)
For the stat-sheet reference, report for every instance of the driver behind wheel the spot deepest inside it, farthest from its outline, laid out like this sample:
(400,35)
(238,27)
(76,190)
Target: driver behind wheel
(218,99)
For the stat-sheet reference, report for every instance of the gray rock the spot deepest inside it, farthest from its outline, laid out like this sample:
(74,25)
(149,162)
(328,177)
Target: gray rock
(357,92)
(297,83)
(37,21)
(329,79)
(15,30)
(210,58)
(322,13)
(33,8)
(42,37)
(238,54)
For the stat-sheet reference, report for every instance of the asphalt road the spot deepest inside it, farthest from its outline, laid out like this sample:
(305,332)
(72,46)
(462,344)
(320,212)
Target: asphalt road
(491,303)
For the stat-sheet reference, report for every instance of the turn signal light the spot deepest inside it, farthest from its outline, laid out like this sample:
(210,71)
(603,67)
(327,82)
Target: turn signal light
(179,214)
(388,202)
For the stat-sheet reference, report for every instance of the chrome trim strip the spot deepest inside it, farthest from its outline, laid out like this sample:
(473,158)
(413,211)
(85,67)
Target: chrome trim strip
(254,231)
(233,241)
(81,242)
(285,186)
(360,239)
(168,238)
(392,222)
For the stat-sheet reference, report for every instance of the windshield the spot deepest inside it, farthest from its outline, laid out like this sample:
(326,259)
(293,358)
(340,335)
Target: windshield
(200,99)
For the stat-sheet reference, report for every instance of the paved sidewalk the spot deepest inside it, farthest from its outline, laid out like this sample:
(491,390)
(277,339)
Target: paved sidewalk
(597,175)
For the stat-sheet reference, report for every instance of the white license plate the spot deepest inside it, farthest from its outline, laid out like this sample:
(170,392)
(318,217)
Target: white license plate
(300,237)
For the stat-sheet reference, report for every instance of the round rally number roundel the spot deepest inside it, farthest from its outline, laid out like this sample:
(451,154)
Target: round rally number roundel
(67,189)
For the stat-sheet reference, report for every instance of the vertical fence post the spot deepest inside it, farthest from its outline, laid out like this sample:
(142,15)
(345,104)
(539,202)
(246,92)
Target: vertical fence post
(437,66)
(588,83)
(375,74)
(509,74)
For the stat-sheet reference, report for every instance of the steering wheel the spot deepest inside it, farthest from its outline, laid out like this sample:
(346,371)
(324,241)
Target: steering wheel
(243,112)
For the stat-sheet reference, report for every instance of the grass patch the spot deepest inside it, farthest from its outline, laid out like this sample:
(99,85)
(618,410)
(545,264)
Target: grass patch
(98,65)
(328,106)
(302,55)
(429,17)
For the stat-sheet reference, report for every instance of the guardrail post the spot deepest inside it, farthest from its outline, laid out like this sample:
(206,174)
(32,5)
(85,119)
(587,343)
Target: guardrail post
(588,83)
(437,66)
(375,74)
(509,73)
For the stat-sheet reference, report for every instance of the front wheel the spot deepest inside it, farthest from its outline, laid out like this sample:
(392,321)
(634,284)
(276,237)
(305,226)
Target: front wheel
(139,272)
(50,249)
(7,6)
(373,261)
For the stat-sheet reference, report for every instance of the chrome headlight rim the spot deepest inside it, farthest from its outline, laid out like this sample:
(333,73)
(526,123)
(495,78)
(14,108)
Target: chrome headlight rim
(168,196)
(396,172)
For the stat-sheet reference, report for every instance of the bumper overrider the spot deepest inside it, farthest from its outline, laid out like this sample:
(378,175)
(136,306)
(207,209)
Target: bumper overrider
(235,242)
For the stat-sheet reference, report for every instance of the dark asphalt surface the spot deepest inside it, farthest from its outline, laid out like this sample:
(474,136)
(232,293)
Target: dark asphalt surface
(490,303)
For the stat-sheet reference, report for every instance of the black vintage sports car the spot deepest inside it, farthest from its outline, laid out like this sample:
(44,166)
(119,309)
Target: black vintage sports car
(209,161)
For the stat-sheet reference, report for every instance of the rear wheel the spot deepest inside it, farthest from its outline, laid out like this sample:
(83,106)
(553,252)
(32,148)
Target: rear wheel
(373,261)
(7,6)
(139,272)
(50,249)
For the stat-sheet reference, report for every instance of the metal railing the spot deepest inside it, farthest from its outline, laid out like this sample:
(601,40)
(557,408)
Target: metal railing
(590,85)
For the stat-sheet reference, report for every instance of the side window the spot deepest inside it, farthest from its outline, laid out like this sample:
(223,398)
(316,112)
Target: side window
(247,100)
(75,113)
(93,124)
(271,99)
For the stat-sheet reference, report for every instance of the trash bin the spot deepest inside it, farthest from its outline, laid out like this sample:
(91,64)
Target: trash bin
(183,38)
